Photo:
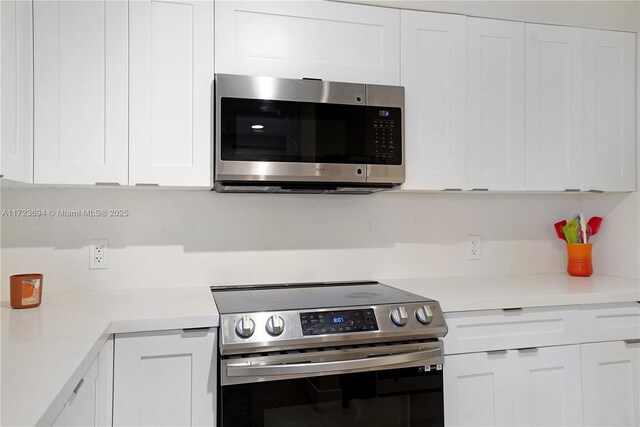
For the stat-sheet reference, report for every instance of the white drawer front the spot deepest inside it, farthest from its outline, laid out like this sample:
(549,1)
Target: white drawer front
(509,329)
(609,322)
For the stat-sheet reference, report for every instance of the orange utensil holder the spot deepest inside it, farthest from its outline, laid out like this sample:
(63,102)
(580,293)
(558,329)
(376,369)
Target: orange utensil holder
(579,259)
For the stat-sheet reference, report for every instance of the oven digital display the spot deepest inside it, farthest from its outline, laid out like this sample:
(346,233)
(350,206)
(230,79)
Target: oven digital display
(338,322)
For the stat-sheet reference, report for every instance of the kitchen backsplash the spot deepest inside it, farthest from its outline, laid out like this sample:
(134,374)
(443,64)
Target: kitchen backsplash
(191,238)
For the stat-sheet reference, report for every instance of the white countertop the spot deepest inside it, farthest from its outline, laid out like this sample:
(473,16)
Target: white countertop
(531,290)
(46,350)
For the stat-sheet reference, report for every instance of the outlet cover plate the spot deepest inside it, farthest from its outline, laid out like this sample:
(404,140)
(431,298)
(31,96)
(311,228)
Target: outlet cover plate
(98,254)
(473,247)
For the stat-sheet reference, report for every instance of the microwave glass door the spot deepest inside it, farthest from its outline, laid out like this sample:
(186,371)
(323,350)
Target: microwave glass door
(285,131)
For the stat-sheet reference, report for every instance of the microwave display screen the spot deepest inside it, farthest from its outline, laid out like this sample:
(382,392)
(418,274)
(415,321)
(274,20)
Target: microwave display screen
(285,131)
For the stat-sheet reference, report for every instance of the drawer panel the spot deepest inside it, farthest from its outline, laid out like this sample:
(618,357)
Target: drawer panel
(508,329)
(609,322)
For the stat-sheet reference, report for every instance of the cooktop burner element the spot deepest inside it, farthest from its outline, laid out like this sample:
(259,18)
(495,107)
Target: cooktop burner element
(259,318)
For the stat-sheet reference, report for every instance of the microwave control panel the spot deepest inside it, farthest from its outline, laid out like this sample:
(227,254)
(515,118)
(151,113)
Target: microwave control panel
(386,136)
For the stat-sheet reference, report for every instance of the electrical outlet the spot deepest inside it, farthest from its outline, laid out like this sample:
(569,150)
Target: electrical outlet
(98,254)
(473,247)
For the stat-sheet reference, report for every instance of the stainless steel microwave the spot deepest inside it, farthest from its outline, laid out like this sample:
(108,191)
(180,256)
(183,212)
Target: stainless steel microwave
(311,136)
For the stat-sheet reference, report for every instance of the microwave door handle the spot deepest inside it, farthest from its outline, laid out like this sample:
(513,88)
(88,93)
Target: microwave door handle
(334,367)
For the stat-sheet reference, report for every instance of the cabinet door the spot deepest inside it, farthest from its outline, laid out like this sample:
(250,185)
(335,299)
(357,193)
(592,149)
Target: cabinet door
(171,86)
(433,74)
(495,104)
(104,385)
(611,383)
(315,39)
(80,409)
(16,90)
(547,387)
(610,140)
(477,390)
(90,401)
(80,82)
(165,378)
(554,140)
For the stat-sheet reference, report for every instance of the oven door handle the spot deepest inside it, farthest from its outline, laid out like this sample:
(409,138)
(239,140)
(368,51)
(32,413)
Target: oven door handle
(246,369)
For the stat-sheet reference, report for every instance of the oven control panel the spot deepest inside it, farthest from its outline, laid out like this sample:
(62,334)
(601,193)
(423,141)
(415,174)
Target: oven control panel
(338,322)
(248,332)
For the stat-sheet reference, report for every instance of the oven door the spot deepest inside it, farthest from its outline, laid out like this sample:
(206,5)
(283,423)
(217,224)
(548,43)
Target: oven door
(383,385)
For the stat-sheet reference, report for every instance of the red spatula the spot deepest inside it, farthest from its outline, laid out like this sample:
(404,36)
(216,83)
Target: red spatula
(558,226)
(594,223)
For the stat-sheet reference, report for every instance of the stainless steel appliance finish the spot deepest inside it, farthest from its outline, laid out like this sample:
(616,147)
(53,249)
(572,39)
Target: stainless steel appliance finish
(292,335)
(350,359)
(329,354)
(365,171)
(246,314)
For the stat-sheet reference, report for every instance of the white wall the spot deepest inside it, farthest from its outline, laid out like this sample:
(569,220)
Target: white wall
(188,238)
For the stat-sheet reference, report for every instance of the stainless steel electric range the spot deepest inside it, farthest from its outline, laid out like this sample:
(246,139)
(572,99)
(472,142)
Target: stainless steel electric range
(329,354)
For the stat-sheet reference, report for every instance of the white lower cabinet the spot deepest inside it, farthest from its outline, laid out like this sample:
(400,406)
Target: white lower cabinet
(165,378)
(611,379)
(477,390)
(526,387)
(90,401)
(547,388)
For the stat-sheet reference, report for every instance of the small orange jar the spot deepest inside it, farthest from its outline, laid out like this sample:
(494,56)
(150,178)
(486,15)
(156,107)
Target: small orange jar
(26,290)
(579,262)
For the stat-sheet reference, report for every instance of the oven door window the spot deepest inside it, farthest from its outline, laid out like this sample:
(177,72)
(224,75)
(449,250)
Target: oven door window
(305,132)
(394,398)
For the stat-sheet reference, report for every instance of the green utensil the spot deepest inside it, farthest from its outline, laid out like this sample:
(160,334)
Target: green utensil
(572,231)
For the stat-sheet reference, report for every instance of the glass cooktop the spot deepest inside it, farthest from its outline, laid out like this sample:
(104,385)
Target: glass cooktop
(296,296)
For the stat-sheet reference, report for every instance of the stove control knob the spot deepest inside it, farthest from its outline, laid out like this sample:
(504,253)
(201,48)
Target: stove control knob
(399,316)
(424,314)
(245,327)
(275,325)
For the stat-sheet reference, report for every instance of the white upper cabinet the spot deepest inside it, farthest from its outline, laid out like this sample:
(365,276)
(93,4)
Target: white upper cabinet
(16,90)
(315,39)
(495,104)
(80,85)
(170,98)
(554,129)
(580,109)
(609,94)
(121,92)
(433,74)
